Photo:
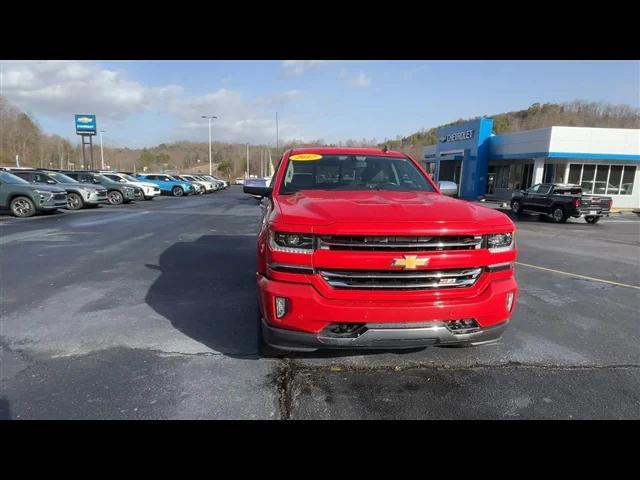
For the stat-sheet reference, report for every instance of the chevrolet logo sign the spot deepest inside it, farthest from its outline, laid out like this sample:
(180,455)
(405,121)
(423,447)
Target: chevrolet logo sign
(410,262)
(84,119)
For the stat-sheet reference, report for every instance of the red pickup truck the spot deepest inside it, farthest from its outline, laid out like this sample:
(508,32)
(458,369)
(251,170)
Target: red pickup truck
(359,248)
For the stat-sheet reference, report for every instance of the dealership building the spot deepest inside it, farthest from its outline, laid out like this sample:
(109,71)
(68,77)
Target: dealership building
(604,161)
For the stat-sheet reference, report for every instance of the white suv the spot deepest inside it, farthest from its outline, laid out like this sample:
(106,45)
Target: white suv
(150,190)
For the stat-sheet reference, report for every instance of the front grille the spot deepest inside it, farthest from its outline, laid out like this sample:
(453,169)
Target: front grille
(59,196)
(102,193)
(401,280)
(399,243)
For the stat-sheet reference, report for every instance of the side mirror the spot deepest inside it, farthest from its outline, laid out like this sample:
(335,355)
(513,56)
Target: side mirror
(448,188)
(257,190)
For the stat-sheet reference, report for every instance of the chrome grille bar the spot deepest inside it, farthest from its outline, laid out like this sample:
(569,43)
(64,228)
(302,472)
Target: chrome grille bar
(424,279)
(386,243)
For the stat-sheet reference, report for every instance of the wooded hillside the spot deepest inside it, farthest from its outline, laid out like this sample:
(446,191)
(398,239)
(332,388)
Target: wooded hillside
(21,135)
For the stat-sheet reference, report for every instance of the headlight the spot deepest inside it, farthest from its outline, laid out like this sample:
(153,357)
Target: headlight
(291,242)
(129,190)
(44,196)
(500,242)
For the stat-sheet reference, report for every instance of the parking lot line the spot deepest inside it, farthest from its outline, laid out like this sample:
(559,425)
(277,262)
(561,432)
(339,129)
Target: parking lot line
(578,276)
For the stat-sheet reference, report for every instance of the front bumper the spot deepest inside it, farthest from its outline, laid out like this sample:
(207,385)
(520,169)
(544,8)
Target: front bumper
(151,192)
(398,323)
(386,336)
(95,199)
(52,203)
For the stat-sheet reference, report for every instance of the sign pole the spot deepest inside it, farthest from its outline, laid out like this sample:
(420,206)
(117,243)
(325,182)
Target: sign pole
(84,158)
(91,150)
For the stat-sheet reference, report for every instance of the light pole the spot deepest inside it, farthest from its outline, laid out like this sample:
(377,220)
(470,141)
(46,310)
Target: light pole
(101,150)
(210,118)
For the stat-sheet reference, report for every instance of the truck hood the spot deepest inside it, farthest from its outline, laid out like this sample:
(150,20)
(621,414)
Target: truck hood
(416,209)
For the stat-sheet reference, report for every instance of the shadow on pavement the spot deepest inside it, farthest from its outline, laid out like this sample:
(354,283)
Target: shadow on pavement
(207,291)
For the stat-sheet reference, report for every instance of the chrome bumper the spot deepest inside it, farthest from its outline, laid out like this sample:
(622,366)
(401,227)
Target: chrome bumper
(386,336)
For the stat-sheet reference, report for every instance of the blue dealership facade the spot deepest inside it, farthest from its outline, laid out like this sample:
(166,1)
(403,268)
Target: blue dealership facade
(603,160)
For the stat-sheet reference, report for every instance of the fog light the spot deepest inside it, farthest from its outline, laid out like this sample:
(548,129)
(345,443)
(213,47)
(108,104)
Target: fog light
(282,305)
(509,302)
(465,325)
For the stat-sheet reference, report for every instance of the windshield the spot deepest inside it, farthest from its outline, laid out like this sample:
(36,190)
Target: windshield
(353,172)
(115,178)
(129,177)
(7,177)
(61,178)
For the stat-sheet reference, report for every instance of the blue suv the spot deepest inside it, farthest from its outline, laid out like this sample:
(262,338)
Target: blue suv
(168,184)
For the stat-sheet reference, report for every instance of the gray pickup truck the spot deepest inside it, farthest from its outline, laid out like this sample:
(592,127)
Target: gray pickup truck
(561,201)
(24,199)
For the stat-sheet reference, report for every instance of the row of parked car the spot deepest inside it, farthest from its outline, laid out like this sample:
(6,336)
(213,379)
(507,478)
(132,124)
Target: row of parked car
(26,191)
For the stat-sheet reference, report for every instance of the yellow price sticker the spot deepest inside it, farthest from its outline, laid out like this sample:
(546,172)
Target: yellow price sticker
(306,156)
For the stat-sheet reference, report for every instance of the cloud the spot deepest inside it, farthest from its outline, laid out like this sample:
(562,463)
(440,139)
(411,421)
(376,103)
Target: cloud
(240,118)
(355,81)
(299,67)
(59,88)
(62,88)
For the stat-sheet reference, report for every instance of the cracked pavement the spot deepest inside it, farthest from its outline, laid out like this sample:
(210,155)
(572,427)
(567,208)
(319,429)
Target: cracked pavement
(148,312)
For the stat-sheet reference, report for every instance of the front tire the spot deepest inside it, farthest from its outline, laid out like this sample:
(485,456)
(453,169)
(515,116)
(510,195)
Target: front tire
(74,201)
(115,197)
(559,215)
(516,207)
(592,219)
(177,191)
(22,207)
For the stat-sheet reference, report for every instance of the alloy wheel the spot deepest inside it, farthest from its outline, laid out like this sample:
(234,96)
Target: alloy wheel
(22,208)
(73,201)
(115,198)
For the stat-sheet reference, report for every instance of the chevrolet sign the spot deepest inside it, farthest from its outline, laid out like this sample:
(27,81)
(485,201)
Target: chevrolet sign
(86,124)
(457,136)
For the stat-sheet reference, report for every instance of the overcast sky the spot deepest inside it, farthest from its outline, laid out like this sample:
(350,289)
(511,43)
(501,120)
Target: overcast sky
(144,103)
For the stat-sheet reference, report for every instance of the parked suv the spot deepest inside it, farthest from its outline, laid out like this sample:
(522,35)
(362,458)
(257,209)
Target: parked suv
(359,248)
(148,191)
(561,201)
(201,186)
(78,195)
(210,185)
(117,193)
(168,184)
(24,199)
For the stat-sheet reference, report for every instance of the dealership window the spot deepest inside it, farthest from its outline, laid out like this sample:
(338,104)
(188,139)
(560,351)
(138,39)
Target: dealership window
(603,179)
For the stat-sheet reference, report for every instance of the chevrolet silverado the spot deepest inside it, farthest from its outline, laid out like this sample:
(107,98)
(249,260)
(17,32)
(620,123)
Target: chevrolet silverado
(359,248)
(561,201)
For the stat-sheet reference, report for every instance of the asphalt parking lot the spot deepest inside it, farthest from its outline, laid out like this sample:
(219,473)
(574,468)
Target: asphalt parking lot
(148,311)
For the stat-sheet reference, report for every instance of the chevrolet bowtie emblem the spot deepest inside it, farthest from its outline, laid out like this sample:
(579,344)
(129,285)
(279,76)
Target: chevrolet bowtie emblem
(410,262)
